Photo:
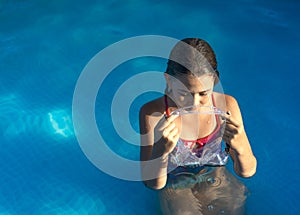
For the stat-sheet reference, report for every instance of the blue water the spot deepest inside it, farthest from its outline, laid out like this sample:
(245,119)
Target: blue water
(44,47)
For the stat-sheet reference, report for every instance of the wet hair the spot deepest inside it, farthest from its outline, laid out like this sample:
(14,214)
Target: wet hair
(192,56)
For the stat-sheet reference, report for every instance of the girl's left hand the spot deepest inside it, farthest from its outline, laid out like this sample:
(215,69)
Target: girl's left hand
(233,131)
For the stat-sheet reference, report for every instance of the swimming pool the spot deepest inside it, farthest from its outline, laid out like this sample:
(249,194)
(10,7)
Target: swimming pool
(44,48)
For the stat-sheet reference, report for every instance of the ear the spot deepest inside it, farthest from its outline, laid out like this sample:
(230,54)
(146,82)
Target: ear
(217,78)
(168,79)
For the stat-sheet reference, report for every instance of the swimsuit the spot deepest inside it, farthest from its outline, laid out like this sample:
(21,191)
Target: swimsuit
(201,152)
(198,181)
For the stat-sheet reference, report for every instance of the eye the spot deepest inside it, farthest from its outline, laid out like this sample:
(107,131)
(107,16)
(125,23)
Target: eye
(203,93)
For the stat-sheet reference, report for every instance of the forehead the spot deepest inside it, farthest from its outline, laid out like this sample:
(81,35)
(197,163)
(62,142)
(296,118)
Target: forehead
(193,83)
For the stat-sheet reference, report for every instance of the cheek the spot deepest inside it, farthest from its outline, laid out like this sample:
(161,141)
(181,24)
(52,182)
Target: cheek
(177,97)
(205,100)
(182,100)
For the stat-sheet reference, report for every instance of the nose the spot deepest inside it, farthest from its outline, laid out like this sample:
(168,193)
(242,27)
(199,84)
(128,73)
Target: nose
(196,98)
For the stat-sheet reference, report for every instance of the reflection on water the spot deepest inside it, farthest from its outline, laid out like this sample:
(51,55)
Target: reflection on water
(16,119)
(215,191)
(61,123)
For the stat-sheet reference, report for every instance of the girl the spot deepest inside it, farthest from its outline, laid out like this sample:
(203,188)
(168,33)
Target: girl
(181,154)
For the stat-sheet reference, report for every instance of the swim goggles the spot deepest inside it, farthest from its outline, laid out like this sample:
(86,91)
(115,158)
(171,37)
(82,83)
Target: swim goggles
(197,109)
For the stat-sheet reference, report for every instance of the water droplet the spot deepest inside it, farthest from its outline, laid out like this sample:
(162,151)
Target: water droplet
(210,207)
(213,181)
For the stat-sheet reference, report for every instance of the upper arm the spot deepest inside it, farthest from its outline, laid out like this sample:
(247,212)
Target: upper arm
(154,176)
(146,133)
(233,106)
(149,115)
(248,163)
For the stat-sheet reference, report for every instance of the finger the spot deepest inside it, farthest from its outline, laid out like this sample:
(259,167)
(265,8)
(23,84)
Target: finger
(230,120)
(162,120)
(176,137)
(228,134)
(171,118)
(173,142)
(173,132)
(162,123)
(168,121)
(231,128)
(226,138)
(168,129)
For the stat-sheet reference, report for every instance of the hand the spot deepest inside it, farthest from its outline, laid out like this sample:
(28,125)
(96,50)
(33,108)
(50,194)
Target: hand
(233,131)
(166,136)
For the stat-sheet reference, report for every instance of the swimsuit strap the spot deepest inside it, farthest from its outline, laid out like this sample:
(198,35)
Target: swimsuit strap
(167,106)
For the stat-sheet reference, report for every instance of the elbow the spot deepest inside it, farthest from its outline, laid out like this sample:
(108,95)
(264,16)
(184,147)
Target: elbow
(153,186)
(249,172)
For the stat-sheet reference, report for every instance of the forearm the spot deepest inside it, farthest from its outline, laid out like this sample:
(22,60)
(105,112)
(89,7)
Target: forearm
(244,161)
(154,173)
(154,169)
(154,157)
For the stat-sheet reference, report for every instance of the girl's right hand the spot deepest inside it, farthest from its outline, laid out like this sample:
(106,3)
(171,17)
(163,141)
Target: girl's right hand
(166,135)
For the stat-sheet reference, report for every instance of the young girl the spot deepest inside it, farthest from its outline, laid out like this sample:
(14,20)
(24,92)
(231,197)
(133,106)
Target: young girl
(182,154)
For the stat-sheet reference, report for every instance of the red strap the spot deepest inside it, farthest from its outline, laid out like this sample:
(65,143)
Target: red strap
(167,106)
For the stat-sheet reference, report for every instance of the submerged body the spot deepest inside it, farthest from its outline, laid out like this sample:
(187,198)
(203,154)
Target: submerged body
(213,190)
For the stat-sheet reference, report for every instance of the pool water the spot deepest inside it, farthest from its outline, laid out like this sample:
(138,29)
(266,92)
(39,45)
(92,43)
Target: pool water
(44,48)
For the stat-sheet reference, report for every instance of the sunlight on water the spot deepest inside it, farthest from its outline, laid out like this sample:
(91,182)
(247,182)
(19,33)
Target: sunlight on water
(74,201)
(61,123)
(8,104)
(16,119)
(10,114)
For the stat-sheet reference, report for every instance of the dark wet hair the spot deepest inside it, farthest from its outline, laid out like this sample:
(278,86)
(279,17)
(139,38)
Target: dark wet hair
(192,56)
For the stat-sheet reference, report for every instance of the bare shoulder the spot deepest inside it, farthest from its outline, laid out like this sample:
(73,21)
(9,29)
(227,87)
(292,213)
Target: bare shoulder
(154,107)
(231,102)
(227,102)
(150,113)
